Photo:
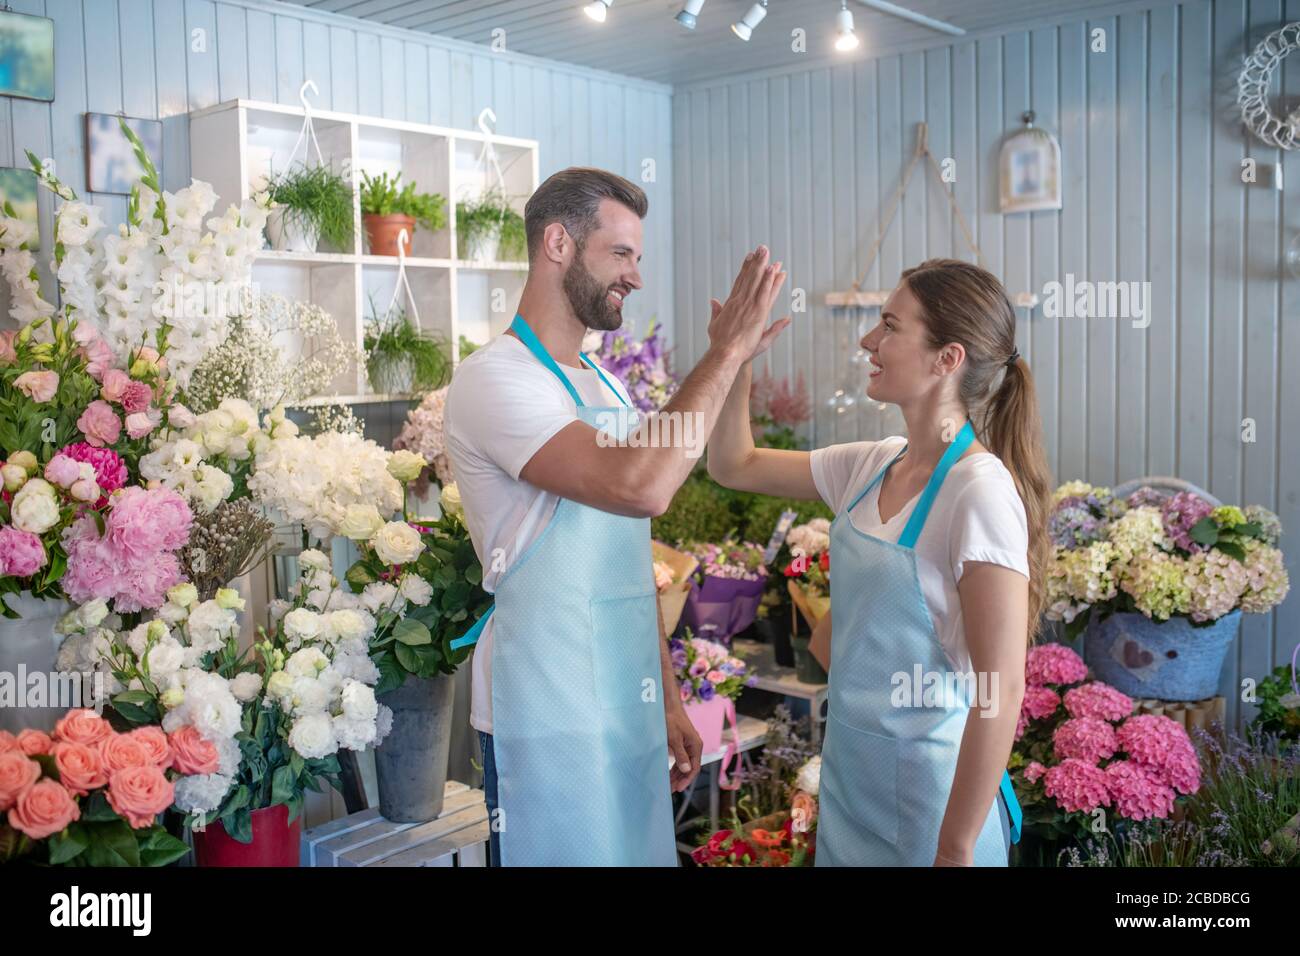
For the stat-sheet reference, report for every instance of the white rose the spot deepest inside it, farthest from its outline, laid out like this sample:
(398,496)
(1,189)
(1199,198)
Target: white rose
(397,543)
(302,624)
(416,589)
(406,465)
(246,686)
(361,522)
(312,736)
(35,507)
(449,501)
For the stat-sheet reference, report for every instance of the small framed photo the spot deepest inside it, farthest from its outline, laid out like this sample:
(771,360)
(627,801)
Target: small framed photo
(26,56)
(111,166)
(18,191)
(1030,169)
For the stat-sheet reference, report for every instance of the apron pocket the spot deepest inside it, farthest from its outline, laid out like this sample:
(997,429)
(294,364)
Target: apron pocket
(625,644)
(860,772)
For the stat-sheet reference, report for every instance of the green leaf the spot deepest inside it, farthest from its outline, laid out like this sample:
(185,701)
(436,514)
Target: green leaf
(1232,549)
(456,596)
(96,809)
(412,633)
(474,574)
(69,844)
(239,825)
(358,576)
(137,706)
(112,844)
(284,785)
(407,657)
(1205,531)
(159,848)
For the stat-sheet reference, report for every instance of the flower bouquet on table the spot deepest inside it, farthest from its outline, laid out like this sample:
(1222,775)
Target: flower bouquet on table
(809,568)
(673,571)
(1082,763)
(786,837)
(710,679)
(1158,582)
(727,588)
(424,584)
(261,725)
(86,794)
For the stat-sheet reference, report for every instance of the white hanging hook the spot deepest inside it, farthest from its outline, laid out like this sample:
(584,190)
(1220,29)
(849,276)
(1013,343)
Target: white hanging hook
(402,282)
(302,93)
(486,114)
(488,154)
(308,128)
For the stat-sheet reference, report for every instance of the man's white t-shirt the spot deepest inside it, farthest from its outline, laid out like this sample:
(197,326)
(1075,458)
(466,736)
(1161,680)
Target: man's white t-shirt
(976,516)
(502,407)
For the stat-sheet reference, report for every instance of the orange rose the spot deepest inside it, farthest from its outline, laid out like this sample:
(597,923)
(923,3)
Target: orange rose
(193,753)
(81,768)
(33,742)
(45,808)
(82,727)
(121,751)
(8,742)
(803,811)
(155,744)
(139,794)
(17,773)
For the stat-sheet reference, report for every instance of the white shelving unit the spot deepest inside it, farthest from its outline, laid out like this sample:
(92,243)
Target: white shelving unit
(233,143)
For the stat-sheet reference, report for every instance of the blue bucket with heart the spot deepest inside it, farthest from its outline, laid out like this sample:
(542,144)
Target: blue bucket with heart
(1172,660)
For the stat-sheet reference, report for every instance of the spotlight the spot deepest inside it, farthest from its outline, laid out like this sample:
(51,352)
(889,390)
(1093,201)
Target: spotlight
(847,39)
(597,9)
(745,28)
(689,12)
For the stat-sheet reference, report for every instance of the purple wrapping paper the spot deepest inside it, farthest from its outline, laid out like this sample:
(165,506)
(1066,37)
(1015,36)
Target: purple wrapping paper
(721,607)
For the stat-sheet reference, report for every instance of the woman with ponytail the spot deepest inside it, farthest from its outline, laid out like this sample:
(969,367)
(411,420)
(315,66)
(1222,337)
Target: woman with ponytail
(938,551)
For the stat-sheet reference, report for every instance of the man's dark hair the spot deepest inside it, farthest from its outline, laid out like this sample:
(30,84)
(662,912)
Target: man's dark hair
(572,198)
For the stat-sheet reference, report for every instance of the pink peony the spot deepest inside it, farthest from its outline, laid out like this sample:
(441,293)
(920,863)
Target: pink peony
(100,424)
(1097,700)
(1034,771)
(1137,792)
(44,809)
(1162,746)
(145,521)
(21,553)
(1054,664)
(38,386)
(136,396)
(1090,739)
(62,471)
(1077,786)
(1040,702)
(115,383)
(1022,724)
(110,470)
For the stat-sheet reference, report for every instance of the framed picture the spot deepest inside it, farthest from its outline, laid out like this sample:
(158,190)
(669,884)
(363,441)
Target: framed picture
(111,166)
(26,56)
(18,189)
(1030,169)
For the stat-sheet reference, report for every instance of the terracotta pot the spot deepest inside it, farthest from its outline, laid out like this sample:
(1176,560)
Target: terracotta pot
(382,233)
(275,842)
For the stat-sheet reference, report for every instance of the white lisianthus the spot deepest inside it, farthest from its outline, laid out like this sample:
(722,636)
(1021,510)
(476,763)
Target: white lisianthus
(280,684)
(210,624)
(35,507)
(347,624)
(172,613)
(449,501)
(361,522)
(306,662)
(359,701)
(308,696)
(229,599)
(302,625)
(92,613)
(183,594)
(246,686)
(397,543)
(353,734)
(383,724)
(311,558)
(378,596)
(312,736)
(211,487)
(406,465)
(415,589)
(165,657)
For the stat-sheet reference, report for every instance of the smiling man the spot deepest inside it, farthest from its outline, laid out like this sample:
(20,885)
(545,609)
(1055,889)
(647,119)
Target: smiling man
(574,697)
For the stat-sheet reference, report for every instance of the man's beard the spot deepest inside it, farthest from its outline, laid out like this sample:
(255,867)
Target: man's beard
(589,298)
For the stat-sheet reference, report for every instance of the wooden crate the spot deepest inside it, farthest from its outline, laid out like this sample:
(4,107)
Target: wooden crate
(458,837)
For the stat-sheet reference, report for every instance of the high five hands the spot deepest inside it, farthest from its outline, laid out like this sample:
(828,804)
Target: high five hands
(741,322)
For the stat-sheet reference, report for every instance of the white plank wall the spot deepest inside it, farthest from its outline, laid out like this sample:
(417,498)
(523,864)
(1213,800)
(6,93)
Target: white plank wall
(1152,151)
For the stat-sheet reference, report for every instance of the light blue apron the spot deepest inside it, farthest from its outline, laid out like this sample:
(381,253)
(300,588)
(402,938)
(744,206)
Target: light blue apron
(887,771)
(577,703)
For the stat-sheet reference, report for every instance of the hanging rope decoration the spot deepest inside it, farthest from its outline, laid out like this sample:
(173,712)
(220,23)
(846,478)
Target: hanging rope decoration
(1253,88)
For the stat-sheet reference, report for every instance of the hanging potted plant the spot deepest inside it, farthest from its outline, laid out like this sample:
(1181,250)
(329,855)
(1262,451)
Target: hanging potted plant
(402,358)
(489,230)
(424,583)
(1157,583)
(310,204)
(387,208)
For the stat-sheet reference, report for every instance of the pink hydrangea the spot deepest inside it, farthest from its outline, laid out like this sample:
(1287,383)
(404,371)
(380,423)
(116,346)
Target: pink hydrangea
(1161,745)
(21,553)
(1097,700)
(1077,786)
(1034,771)
(1022,724)
(110,470)
(1137,792)
(1090,739)
(1054,664)
(1040,702)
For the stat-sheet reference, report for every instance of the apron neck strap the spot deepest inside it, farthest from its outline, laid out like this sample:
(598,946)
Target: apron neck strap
(916,522)
(526,335)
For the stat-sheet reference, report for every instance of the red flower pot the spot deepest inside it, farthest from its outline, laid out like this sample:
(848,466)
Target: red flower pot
(275,842)
(384,233)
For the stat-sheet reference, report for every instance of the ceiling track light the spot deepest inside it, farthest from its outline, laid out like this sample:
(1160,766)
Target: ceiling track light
(745,27)
(597,9)
(688,14)
(846,40)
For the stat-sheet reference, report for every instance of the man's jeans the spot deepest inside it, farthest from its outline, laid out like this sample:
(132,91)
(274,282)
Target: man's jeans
(490,796)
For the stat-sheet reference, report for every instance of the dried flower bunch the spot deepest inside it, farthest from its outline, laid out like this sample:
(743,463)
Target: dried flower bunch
(225,544)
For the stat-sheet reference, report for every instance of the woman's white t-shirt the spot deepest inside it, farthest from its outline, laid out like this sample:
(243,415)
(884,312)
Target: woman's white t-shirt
(976,516)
